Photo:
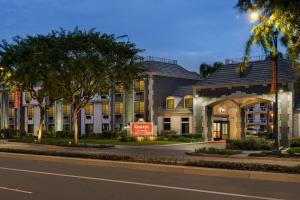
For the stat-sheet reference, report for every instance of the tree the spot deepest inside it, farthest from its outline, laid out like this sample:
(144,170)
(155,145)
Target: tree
(206,69)
(277,20)
(28,62)
(285,15)
(88,63)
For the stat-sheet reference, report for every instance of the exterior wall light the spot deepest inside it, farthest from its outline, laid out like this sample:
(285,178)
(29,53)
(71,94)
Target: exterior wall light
(222,110)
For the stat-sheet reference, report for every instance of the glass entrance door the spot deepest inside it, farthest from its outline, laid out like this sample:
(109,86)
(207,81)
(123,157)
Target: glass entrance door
(220,130)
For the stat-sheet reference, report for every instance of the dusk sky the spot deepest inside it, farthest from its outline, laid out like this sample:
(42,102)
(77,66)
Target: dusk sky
(190,31)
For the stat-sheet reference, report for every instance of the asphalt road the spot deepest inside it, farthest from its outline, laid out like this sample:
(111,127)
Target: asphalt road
(40,180)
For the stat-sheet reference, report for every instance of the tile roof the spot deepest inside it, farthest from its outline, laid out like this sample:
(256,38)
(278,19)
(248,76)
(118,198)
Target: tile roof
(182,91)
(257,72)
(170,70)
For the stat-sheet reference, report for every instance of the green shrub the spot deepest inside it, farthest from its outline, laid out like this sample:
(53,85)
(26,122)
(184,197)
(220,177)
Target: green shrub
(11,133)
(294,150)
(245,166)
(168,133)
(127,139)
(212,150)
(250,143)
(111,134)
(181,138)
(295,142)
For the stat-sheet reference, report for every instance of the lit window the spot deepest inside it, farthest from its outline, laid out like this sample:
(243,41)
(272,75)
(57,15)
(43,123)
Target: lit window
(188,102)
(67,110)
(170,103)
(51,111)
(119,108)
(119,88)
(27,96)
(89,109)
(11,112)
(139,85)
(11,97)
(30,111)
(105,108)
(139,107)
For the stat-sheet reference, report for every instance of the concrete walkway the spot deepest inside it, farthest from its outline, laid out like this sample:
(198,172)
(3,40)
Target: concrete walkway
(167,153)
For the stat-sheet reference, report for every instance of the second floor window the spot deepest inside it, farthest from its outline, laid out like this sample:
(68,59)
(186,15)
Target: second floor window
(139,85)
(170,103)
(139,107)
(119,108)
(188,102)
(67,110)
(105,108)
(51,111)
(89,109)
(119,88)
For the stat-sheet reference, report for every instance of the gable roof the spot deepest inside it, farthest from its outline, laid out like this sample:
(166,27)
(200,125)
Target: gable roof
(169,70)
(257,72)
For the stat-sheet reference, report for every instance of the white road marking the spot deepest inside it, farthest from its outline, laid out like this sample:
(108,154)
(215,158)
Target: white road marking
(142,184)
(15,190)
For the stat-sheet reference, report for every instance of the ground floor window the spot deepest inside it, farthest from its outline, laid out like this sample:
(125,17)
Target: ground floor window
(167,124)
(66,127)
(51,128)
(105,127)
(30,128)
(89,128)
(185,125)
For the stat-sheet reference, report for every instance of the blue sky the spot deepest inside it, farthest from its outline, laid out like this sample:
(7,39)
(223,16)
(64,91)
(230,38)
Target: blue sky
(190,31)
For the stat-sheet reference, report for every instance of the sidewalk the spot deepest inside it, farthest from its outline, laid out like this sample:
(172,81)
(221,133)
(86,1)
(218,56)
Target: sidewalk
(146,153)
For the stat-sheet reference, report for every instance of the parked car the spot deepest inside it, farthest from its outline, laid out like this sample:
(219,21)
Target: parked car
(251,131)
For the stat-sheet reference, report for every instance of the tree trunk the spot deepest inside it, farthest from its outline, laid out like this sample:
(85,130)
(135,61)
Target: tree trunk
(75,125)
(274,73)
(42,122)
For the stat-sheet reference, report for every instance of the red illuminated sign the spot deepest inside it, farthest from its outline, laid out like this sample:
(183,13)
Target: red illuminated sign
(141,129)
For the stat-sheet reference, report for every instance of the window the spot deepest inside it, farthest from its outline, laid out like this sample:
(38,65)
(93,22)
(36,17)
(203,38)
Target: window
(139,85)
(11,97)
(119,108)
(51,111)
(30,128)
(105,127)
(119,88)
(167,124)
(139,107)
(89,109)
(170,103)
(30,112)
(27,97)
(66,128)
(185,125)
(67,110)
(188,102)
(105,108)
(89,128)
(11,112)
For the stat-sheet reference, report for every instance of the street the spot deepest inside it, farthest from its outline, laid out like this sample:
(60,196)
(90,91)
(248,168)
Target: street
(43,180)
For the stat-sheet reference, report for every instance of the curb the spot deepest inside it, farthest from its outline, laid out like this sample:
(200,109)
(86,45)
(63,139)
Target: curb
(241,174)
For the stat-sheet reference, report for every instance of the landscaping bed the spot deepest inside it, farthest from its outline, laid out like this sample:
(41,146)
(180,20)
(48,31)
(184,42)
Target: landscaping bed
(207,164)
(213,152)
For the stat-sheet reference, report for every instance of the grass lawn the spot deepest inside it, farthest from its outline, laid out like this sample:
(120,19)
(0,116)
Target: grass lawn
(62,141)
